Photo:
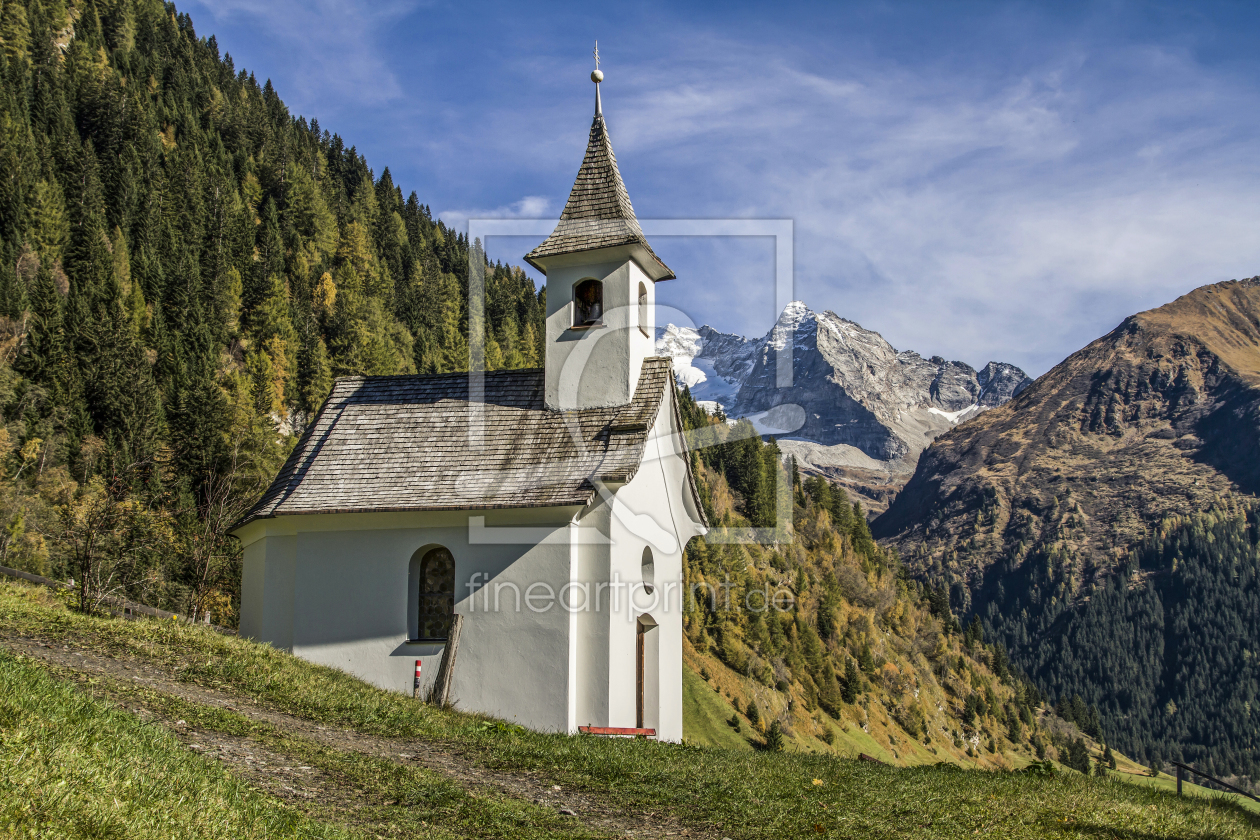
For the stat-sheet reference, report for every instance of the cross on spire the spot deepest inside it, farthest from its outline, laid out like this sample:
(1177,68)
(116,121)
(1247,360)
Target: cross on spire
(597,76)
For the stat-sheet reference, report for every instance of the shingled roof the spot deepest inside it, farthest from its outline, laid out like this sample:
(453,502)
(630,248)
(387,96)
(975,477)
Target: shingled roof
(598,213)
(400,443)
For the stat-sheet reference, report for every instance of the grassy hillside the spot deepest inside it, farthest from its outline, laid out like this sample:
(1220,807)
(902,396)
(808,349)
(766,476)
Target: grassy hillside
(708,709)
(341,756)
(825,635)
(92,770)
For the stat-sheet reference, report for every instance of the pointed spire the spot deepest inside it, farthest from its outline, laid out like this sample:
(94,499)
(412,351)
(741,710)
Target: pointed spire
(598,213)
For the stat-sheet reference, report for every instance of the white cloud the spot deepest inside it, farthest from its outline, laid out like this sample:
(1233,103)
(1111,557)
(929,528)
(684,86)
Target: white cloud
(529,207)
(971,206)
(331,48)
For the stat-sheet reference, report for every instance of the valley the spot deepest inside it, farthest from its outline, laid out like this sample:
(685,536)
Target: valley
(998,586)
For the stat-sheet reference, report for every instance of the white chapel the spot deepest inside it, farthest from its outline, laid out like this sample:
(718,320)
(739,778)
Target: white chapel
(547,509)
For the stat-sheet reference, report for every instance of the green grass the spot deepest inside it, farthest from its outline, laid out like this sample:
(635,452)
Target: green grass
(1168,784)
(71,766)
(399,799)
(737,794)
(705,716)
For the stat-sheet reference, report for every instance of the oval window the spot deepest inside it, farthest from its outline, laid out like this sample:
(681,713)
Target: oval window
(649,571)
(644,321)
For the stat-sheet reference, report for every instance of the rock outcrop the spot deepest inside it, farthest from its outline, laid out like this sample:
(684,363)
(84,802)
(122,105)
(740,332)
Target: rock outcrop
(855,388)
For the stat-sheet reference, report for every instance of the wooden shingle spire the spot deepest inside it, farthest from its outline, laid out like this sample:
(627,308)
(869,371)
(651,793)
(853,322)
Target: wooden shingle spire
(598,213)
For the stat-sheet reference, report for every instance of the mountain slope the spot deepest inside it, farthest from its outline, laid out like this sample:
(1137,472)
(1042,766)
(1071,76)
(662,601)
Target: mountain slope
(1157,418)
(1103,526)
(185,266)
(855,388)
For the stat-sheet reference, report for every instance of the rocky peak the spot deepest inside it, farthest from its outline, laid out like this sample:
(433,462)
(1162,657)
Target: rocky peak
(1000,383)
(856,389)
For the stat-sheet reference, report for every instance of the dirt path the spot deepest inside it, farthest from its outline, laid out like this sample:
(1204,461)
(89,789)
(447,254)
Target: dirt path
(314,791)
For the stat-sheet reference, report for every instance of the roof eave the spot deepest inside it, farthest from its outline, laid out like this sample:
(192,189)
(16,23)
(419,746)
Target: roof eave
(643,256)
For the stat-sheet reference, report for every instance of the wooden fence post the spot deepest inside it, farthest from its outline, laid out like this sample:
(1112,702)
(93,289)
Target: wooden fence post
(442,688)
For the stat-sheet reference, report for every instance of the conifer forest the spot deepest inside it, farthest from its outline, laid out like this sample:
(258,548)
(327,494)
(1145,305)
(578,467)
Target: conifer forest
(186,269)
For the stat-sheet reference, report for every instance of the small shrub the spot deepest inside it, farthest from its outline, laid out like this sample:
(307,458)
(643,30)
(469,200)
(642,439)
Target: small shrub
(1040,768)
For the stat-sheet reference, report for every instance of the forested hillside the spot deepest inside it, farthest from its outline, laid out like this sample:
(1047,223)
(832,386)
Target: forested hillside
(185,266)
(833,633)
(1167,649)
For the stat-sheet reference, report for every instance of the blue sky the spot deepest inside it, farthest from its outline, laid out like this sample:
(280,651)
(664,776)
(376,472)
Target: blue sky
(979,181)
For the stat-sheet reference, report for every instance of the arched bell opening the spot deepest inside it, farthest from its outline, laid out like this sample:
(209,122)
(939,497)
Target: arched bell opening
(588,303)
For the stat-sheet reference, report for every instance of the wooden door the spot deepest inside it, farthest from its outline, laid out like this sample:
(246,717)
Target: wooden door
(638,659)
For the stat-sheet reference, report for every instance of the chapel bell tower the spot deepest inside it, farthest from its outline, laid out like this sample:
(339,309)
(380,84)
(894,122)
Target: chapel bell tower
(601,278)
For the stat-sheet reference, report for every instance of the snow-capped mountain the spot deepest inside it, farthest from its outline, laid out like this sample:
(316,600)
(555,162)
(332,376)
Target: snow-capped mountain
(854,400)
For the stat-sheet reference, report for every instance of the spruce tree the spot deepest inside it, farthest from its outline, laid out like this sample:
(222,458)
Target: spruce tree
(774,738)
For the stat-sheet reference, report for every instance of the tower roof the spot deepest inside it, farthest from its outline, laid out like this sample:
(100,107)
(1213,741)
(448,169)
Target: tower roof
(598,213)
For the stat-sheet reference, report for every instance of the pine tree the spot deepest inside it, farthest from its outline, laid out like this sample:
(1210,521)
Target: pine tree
(852,682)
(774,738)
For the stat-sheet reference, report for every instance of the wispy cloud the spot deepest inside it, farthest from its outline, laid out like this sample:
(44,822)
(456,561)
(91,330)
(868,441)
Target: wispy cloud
(529,207)
(331,48)
(974,183)
(1013,221)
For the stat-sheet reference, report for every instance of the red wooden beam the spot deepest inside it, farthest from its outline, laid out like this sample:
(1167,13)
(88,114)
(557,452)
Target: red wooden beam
(617,730)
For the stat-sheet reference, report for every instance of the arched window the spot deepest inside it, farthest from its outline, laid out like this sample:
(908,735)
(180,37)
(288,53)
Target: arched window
(588,303)
(649,570)
(644,322)
(437,594)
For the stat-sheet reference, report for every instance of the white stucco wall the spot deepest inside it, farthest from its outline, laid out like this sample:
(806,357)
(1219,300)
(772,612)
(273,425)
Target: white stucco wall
(598,366)
(654,510)
(346,598)
(267,590)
